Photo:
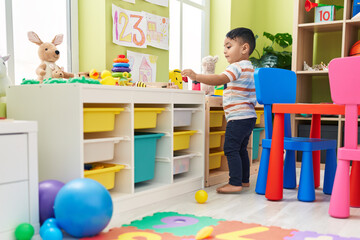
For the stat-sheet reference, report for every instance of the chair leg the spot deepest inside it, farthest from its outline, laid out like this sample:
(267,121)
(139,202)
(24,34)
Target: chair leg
(306,191)
(355,184)
(289,170)
(340,197)
(263,172)
(330,170)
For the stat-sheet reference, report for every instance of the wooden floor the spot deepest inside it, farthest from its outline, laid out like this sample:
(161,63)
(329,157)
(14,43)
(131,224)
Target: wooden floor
(249,207)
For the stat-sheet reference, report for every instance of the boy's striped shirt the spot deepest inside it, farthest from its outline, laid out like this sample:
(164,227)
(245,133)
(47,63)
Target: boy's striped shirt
(239,98)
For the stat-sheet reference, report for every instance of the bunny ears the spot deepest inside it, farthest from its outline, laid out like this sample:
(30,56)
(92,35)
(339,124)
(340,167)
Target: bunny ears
(33,37)
(5,58)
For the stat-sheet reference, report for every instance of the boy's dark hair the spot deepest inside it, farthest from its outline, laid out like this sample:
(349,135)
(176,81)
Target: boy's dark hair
(245,34)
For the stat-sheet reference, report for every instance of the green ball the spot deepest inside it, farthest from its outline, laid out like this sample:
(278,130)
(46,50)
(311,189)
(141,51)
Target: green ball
(24,231)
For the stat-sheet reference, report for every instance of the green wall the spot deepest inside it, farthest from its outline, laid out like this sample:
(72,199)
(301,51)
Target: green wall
(275,16)
(95,36)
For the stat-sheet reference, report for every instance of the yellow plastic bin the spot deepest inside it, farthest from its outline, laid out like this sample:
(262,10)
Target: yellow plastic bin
(216,118)
(182,139)
(100,119)
(215,139)
(146,117)
(104,173)
(258,115)
(215,160)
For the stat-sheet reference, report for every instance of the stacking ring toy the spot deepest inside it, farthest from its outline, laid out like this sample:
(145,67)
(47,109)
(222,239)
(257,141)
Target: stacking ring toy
(121,60)
(121,69)
(121,65)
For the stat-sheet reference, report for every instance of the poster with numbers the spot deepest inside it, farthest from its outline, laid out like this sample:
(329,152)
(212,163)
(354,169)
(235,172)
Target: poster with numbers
(129,27)
(157,31)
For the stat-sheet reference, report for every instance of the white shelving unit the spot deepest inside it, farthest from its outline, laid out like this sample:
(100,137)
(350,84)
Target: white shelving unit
(59,112)
(19,196)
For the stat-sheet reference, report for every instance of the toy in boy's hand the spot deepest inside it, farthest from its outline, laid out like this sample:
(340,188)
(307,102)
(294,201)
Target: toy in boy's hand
(4,78)
(48,54)
(208,67)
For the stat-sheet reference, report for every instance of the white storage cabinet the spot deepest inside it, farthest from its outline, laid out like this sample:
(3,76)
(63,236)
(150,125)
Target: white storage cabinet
(64,147)
(18,176)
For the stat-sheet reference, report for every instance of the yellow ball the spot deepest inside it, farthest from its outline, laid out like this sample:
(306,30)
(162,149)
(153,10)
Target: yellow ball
(201,196)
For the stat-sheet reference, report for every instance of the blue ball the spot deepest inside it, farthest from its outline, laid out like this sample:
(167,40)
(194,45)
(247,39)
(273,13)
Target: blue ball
(52,233)
(83,207)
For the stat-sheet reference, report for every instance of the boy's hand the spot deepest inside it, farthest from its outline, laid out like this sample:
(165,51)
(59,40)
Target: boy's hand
(189,73)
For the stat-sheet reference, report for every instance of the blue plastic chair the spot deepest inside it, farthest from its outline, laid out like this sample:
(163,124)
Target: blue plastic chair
(274,85)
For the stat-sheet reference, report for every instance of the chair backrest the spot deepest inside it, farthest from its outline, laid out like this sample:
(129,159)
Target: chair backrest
(275,85)
(344,78)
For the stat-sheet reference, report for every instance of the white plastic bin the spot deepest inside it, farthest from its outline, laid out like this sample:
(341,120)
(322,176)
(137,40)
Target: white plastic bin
(100,149)
(182,116)
(182,162)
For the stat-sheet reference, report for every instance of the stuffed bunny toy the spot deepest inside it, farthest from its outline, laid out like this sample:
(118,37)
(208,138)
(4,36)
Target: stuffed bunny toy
(48,54)
(4,78)
(208,67)
(57,73)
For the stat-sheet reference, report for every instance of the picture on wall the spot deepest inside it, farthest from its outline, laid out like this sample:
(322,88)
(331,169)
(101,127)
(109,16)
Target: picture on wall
(157,31)
(143,66)
(164,3)
(129,27)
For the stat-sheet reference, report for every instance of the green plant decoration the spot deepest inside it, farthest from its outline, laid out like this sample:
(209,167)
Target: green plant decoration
(272,58)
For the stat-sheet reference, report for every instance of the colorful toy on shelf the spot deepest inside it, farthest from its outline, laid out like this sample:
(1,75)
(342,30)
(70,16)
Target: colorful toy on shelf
(29,81)
(310,5)
(356,8)
(107,78)
(219,90)
(176,77)
(139,84)
(121,69)
(355,49)
(94,74)
(48,54)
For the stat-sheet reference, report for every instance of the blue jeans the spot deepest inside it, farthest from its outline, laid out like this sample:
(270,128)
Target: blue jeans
(236,140)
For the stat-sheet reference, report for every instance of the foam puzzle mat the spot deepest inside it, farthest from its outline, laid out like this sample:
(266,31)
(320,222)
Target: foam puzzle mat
(176,226)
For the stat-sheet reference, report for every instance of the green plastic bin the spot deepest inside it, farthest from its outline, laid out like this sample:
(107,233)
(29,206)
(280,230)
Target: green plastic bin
(256,141)
(145,151)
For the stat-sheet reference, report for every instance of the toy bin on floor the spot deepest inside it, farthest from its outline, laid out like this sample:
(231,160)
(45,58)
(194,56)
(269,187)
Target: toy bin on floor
(182,139)
(104,173)
(182,162)
(256,141)
(215,139)
(145,152)
(100,119)
(182,116)
(216,118)
(146,117)
(215,160)
(100,149)
(258,115)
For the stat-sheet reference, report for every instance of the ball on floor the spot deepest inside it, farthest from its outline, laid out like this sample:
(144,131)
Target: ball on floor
(83,207)
(48,190)
(24,231)
(201,196)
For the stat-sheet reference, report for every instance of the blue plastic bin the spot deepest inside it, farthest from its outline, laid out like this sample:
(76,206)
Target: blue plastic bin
(256,141)
(145,151)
